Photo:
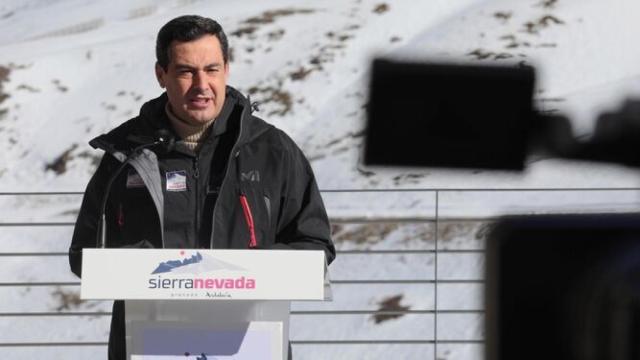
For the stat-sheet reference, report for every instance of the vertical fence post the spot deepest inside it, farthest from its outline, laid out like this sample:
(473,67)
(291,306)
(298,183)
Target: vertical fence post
(435,283)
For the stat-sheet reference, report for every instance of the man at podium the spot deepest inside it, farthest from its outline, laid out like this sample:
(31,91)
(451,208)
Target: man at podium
(197,169)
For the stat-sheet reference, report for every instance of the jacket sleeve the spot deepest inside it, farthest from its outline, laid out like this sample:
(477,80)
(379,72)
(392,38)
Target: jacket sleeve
(86,228)
(303,221)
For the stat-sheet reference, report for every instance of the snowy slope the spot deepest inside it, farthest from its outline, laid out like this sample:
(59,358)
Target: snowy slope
(89,68)
(73,69)
(86,76)
(585,67)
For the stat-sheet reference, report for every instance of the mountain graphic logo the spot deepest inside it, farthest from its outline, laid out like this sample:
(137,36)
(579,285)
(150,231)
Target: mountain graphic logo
(196,263)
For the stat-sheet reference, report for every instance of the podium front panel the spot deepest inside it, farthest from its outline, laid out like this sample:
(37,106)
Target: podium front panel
(178,274)
(234,330)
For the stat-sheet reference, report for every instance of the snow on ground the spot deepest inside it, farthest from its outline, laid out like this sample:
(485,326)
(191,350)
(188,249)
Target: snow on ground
(112,72)
(81,73)
(72,69)
(585,67)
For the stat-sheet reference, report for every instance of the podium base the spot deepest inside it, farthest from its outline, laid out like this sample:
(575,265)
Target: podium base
(170,329)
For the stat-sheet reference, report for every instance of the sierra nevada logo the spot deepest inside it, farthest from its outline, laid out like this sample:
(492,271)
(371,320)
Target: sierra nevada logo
(198,266)
(168,266)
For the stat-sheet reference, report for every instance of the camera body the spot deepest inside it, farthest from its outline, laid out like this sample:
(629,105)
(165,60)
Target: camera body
(563,287)
(448,115)
(557,286)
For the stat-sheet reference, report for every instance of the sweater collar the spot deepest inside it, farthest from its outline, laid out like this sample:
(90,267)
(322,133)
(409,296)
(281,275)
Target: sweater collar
(194,136)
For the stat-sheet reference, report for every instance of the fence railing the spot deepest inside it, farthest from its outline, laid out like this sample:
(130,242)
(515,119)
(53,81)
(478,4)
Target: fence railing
(408,280)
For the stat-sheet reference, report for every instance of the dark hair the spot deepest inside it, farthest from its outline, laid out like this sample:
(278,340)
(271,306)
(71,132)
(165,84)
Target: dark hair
(188,28)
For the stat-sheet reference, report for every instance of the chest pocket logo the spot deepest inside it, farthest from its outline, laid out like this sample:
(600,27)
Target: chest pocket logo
(176,180)
(134,180)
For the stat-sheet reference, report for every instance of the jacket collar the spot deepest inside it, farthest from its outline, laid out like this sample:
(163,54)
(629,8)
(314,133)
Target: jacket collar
(152,118)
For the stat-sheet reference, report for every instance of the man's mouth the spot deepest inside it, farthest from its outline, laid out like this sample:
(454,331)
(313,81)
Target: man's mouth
(199,102)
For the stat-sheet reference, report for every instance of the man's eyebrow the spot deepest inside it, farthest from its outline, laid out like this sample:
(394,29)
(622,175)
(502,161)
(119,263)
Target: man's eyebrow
(212,65)
(185,67)
(190,67)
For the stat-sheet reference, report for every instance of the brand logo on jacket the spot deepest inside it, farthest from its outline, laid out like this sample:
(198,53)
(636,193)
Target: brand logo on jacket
(251,175)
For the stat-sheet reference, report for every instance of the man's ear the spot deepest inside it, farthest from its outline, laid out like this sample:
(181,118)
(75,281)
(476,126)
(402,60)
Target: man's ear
(226,71)
(160,74)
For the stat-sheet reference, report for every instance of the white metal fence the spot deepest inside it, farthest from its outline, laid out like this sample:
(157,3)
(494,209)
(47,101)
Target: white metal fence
(407,282)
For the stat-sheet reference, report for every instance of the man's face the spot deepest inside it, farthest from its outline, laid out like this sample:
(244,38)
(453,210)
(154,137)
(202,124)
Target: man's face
(195,79)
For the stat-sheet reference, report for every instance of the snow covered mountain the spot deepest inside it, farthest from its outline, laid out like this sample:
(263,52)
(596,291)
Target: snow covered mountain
(73,69)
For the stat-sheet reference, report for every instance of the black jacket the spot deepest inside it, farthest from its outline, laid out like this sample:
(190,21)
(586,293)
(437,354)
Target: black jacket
(248,186)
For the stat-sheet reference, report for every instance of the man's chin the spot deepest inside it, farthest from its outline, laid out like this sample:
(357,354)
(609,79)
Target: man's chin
(199,118)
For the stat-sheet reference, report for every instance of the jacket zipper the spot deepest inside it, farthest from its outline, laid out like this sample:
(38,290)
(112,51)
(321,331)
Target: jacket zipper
(234,154)
(196,176)
(248,216)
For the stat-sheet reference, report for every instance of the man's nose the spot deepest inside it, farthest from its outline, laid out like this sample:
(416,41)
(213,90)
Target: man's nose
(200,80)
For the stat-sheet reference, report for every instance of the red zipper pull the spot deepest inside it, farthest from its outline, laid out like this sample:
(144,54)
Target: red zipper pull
(253,243)
(120,219)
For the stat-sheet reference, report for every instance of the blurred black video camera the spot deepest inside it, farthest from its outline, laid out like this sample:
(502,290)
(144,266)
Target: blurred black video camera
(479,116)
(447,115)
(564,287)
(557,286)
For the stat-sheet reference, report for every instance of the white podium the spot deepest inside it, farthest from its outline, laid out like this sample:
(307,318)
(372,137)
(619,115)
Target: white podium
(205,304)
